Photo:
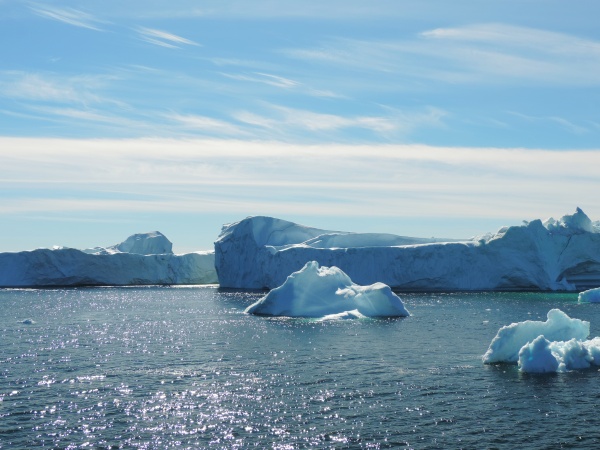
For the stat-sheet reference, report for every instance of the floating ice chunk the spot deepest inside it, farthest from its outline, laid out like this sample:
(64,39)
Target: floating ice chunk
(537,357)
(541,355)
(322,292)
(590,296)
(510,339)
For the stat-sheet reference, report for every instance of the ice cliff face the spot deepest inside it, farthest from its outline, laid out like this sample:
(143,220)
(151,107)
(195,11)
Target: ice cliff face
(564,254)
(140,259)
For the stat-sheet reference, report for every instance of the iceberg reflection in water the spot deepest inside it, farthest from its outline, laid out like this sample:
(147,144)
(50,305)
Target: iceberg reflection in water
(159,367)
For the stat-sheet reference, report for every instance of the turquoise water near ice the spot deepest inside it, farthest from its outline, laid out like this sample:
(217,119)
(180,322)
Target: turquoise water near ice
(184,367)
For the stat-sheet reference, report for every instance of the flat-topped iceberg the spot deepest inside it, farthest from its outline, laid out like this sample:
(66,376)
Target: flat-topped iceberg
(260,252)
(327,292)
(557,345)
(141,259)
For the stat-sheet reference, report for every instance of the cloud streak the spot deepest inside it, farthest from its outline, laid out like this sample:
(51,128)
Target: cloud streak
(69,16)
(266,178)
(483,53)
(163,38)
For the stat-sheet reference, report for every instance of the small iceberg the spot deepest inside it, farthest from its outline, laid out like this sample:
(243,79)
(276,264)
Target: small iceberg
(559,344)
(328,293)
(590,296)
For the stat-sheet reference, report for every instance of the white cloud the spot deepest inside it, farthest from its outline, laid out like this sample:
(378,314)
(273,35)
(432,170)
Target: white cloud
(163,38)
(207,124)
(69,16)
(483,53)
(265,78)
(283,118)
(52,88)
(562,122)
(278,178)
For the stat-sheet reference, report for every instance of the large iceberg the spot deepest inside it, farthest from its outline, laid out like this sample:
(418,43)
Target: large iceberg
(564,254)
(141,259)
(327,292)
(557,345)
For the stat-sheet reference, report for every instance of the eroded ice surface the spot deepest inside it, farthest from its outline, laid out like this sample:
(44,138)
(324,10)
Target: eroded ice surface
(563,254)
(509,340)
(327,292)
(557,345)
(145,258)
(590,296)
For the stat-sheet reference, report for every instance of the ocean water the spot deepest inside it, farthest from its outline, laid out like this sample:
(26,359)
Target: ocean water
(184,367)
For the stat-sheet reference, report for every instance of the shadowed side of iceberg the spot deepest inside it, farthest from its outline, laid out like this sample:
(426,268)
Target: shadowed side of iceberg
(260,252)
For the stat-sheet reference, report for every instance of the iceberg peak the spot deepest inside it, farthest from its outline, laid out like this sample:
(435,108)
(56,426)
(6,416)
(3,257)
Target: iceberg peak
(576,223)
(151,243)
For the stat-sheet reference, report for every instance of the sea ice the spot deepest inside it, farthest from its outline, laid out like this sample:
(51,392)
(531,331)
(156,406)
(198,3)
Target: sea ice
(327,292)
(590,296)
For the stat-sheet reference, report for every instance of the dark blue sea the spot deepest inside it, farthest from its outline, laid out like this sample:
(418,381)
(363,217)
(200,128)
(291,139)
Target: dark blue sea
(184,367)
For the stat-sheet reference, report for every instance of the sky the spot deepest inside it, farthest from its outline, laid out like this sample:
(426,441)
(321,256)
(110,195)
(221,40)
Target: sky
(419,118)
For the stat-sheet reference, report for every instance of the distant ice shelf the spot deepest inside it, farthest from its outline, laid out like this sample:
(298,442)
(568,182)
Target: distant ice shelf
(142,259)
(564,254)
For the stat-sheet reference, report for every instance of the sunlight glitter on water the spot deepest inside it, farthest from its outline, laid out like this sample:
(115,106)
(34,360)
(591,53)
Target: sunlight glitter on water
(160,367)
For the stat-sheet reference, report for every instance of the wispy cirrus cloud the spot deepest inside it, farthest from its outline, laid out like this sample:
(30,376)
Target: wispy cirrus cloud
(69,16)
(207,125)
(163,38)
(482,53)
(48,87)
(283,119)
(280,82)
(560,121)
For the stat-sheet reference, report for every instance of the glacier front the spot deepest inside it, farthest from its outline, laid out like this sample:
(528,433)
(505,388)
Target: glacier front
(142,259)
(564,254)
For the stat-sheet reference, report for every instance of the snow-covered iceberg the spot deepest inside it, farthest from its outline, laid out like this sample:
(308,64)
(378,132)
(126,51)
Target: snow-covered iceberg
(260,252)
(507,344)
(139,260)
(557,345)
(327,292)
(590,296)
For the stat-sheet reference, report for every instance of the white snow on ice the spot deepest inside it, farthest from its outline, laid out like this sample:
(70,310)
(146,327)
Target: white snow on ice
(564,254)
(559,344)
(328,293)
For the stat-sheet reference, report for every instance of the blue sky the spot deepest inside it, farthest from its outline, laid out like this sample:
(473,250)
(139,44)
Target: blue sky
(425,118)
